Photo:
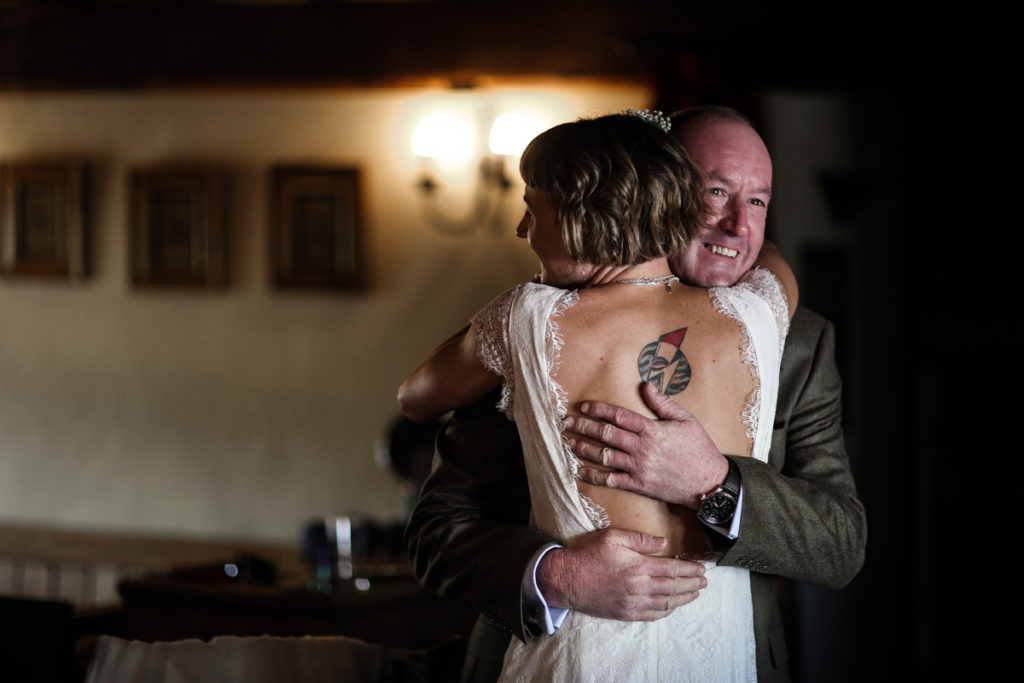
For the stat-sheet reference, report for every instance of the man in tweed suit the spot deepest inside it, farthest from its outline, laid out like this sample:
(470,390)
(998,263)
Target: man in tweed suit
(798,516)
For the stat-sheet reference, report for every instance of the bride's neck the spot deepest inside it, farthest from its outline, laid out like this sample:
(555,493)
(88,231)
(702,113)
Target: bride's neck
(609,274)
(655,268)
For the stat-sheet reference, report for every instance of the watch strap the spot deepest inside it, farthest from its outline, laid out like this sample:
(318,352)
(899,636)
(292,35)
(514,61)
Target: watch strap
(732,479)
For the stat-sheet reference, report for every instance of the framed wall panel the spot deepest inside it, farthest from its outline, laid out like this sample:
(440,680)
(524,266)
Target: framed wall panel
(43,219)
(178,227)
(316,228)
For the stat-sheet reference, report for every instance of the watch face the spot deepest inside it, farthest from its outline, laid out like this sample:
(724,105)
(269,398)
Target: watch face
(718,508)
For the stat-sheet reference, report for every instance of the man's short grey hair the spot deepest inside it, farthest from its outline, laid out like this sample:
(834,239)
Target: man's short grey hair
(684,119)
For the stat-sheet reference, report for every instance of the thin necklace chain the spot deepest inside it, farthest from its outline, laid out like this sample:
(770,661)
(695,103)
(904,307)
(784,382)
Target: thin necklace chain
(666,280)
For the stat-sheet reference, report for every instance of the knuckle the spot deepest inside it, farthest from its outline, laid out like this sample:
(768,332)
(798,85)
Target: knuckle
(577,426)
(586,426)
(633,584)
(639,607)
(589,452)
(620,415)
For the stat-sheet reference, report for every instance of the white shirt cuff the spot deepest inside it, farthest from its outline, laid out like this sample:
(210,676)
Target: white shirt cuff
(534,604)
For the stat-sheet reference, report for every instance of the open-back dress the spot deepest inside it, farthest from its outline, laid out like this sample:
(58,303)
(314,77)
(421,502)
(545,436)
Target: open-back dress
(709,639)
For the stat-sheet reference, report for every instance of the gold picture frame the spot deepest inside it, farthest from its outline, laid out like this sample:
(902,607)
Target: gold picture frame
(43,219)
(316,232)
(178,227)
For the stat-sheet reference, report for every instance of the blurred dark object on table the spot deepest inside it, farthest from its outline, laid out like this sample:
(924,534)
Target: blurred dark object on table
(244,568)
(346,551)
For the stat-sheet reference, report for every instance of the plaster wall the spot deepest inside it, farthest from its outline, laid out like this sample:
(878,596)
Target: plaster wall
(244,411)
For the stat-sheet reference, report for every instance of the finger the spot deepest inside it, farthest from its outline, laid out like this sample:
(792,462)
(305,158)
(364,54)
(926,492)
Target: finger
(602,433)
(673,568)
(623,418)
(609,457)
(664,587)
(592,475)
(638,541)
(605,433)
(663,406)
(606,478)
(680,599)
(662,607)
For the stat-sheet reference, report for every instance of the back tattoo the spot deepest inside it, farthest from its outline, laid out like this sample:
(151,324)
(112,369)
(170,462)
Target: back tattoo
(663,364)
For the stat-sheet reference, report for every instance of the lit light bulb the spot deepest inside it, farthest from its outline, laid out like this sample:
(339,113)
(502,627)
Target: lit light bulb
(448,137)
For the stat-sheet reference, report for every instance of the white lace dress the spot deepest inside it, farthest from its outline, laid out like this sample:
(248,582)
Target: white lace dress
(710,639)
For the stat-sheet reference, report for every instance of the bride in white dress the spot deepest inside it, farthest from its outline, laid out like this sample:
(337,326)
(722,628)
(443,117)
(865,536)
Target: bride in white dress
(608,199)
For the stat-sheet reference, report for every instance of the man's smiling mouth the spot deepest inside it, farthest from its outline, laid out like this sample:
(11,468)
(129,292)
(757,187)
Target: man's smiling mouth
(721,251)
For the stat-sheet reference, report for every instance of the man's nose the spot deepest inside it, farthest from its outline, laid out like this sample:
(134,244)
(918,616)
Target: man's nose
(737,218)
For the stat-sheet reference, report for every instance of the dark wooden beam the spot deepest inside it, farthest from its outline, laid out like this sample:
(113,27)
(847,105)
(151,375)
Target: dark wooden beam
(691,51)
(126,45)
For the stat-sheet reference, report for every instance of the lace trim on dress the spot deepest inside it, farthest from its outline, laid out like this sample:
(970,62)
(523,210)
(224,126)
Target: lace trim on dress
(493,348)
(749,355)
(554,342)
(597,514)
(765,285)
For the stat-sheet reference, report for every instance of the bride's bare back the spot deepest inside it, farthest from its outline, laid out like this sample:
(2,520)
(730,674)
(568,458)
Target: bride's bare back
(619,335)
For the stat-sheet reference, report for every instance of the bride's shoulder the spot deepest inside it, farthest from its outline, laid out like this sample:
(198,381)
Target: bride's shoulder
(757,290)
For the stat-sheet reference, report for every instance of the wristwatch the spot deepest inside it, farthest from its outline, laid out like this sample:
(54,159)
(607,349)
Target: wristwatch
(717,507)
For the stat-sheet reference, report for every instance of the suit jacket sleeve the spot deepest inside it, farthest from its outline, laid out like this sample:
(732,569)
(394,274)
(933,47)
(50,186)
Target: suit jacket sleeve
(801,515)
(468,536)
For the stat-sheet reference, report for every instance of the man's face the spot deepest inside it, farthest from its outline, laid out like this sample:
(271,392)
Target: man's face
(739,187)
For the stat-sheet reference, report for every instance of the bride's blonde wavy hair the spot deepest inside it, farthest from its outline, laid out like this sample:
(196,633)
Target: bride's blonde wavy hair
(625,192)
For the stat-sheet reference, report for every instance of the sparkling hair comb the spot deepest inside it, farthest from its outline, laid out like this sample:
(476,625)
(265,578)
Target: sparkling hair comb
(656,117)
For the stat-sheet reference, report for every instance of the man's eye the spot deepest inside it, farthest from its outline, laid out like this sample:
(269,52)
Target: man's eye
(717,191)
(757,202)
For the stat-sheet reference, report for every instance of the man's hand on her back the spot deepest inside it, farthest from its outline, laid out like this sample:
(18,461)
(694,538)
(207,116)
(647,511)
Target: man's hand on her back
(610,574)
(671,459)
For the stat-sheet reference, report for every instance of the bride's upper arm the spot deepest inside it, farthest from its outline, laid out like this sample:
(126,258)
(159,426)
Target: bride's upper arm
(451,377)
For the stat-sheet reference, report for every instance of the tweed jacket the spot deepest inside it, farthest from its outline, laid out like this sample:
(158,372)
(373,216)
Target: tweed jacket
(468,538)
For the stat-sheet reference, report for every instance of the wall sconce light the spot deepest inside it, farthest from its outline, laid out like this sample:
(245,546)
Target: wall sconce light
(457,173)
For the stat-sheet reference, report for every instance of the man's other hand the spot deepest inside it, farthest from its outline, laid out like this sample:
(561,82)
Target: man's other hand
(671,459)
(610,574)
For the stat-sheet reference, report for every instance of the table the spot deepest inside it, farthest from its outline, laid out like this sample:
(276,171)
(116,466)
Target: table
(394,611)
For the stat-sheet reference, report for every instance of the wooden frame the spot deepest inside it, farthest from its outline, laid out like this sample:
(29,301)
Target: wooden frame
(316,228)
(43,219)
(178,227)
